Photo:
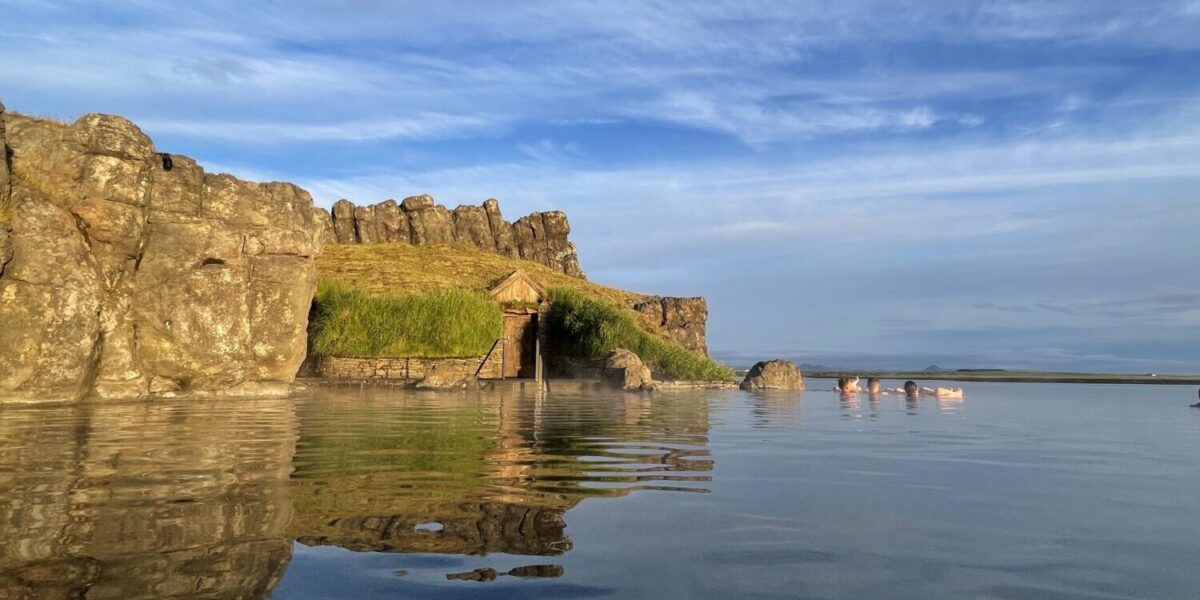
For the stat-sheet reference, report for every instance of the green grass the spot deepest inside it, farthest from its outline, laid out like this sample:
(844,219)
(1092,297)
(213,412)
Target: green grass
(436,324)
(588,327)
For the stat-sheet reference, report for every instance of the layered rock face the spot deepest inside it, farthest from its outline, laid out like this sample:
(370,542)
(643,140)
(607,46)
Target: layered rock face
(681,320)
(124,274)
(539,237)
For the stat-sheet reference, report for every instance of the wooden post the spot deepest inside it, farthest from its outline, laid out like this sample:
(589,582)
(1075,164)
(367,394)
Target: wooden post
(537,361)
(504,359)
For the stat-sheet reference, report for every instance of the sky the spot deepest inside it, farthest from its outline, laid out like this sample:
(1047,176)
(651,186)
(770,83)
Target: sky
(857,183)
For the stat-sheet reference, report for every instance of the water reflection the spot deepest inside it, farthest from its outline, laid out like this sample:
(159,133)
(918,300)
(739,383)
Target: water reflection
(145,500)
(496,471)
(205,498)
(1023,490)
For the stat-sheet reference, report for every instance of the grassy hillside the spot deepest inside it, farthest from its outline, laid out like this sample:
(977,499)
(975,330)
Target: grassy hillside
(403,269)
(391,300)
(587,327)
(434,324)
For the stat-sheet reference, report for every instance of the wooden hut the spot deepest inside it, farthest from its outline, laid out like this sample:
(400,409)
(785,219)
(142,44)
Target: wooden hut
(524,302)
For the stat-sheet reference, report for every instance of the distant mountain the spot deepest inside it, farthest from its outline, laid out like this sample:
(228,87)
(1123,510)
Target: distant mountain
(812,367)
(934,368)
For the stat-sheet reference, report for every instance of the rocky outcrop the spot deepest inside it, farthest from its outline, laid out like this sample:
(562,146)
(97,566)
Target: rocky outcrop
(681,320)
(625,370)
(133,274)
(541,237)
(774,375)
(5,199)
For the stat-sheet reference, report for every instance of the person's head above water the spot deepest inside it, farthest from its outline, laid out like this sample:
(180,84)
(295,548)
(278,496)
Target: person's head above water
(873,385)
(910,388)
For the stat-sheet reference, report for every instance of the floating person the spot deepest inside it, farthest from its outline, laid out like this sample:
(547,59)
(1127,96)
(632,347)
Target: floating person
(912,390)
(1197,405)
(943,392)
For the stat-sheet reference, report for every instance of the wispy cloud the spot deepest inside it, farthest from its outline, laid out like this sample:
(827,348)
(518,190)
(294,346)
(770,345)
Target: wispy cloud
(418,127)
(971,164)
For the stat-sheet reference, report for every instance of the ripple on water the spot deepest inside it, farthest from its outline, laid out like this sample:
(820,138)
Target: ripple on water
(1018,491)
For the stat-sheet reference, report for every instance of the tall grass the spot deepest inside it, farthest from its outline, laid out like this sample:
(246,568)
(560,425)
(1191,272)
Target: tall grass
(438,324)
(586,327)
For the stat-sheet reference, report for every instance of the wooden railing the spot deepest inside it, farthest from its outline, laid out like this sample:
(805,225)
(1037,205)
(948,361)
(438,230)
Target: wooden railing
(488,357)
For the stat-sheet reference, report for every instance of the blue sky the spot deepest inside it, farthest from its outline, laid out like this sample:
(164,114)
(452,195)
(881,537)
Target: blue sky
(859,183)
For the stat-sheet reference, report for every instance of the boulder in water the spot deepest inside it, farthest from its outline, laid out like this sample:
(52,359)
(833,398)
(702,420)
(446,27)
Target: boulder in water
(624,369)
(774,375)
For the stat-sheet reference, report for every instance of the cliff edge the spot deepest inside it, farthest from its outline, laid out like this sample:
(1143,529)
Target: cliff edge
(540,237)
(127,273)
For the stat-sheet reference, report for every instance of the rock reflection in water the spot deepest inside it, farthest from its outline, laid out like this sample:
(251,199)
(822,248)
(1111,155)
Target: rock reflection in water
(496,470)
(204,498)
(185,499)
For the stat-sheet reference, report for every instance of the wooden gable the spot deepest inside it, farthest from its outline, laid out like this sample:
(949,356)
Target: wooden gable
(518,288)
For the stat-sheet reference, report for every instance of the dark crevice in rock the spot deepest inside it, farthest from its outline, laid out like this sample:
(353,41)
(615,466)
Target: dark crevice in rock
(82,227)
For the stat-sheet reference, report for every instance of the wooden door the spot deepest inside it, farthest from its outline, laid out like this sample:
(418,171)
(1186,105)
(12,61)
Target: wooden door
(520,343)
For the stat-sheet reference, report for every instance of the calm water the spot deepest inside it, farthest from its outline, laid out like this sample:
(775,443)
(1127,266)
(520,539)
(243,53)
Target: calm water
(1021,491)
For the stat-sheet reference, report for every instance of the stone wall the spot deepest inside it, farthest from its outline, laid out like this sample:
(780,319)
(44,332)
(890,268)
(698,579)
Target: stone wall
(123,275)
(409,369)
(540,237)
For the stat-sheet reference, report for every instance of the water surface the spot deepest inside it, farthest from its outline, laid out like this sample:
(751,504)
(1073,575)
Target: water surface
(1020,491)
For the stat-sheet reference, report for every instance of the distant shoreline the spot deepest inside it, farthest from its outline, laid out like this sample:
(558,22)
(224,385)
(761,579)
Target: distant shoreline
(1013,376)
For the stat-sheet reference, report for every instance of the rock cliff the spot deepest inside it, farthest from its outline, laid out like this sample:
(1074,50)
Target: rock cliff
(540,237)
(126,273)
(681,320)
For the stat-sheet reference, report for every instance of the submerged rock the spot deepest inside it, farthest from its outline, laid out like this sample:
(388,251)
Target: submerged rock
(774,375)
(624,369)
(445,376)
(484,574)
(124,279)
(537,571)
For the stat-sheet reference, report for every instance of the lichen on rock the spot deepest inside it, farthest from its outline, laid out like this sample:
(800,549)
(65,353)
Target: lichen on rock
(124,279)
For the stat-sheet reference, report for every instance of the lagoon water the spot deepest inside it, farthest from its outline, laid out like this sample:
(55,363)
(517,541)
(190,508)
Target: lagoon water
(1021,491)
